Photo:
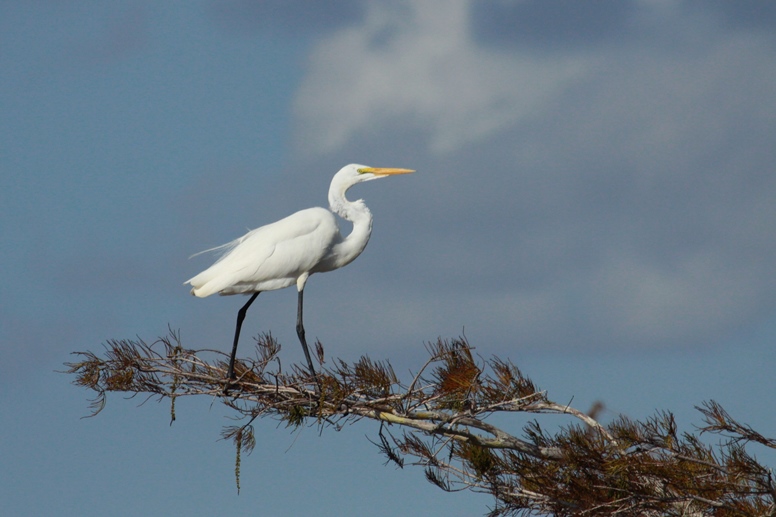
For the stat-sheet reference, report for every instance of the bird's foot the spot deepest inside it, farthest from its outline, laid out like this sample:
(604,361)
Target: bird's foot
(228,384)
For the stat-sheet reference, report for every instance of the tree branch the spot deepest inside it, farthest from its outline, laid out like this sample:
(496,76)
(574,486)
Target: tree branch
(584,468)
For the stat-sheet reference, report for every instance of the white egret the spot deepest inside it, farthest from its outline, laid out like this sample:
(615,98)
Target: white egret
(288,251)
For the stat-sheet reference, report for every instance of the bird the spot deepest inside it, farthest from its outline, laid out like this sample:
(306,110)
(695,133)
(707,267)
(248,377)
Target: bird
(288,251)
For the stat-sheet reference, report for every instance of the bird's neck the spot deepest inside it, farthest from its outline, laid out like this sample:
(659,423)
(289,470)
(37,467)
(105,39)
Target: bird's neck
(350,247)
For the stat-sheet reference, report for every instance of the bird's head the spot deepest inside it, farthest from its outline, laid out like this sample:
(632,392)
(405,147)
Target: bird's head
(348,176)
(355,173)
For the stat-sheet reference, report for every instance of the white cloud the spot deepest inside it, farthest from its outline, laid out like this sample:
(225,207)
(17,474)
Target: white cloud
(417,61)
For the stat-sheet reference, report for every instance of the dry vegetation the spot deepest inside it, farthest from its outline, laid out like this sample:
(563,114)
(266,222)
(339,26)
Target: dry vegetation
(437,419)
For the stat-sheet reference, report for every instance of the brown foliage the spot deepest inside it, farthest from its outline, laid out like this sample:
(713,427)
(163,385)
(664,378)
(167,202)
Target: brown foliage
(439,421)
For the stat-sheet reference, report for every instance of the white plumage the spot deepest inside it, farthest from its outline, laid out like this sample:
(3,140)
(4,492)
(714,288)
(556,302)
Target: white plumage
(288,251)
(259,261)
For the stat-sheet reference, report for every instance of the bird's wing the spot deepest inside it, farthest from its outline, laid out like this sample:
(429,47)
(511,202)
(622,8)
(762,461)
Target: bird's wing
(270,257)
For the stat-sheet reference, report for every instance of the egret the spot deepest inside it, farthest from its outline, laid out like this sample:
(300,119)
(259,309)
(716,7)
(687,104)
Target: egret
(288,251)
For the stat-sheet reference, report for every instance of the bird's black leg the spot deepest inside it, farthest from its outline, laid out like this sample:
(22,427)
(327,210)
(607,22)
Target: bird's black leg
(240,318)
(300,332)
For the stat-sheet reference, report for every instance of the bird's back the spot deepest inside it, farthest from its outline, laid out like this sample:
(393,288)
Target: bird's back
(270,257)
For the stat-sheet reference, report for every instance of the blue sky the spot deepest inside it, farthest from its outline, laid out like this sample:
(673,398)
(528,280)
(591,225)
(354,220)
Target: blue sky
(594,201)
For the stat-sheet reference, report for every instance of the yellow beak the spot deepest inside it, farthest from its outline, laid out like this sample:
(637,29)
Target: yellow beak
(385,171)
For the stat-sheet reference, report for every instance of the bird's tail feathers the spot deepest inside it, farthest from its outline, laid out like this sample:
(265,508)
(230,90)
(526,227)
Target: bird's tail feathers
(224,249)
